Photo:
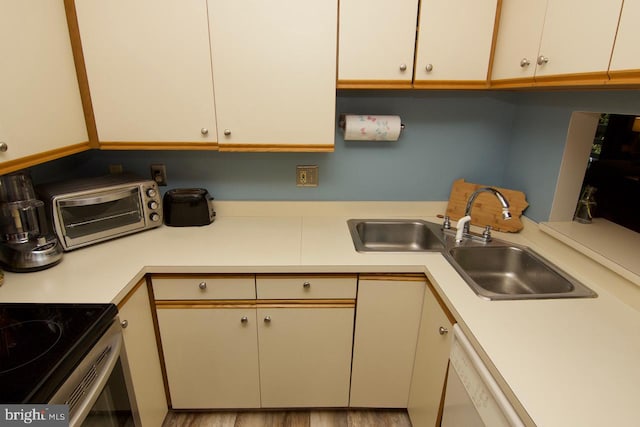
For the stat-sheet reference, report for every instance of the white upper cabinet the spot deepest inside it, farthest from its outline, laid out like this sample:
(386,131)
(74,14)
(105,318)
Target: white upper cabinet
(376,42)
(626,56)
(40,108)
(578,39)
(454,42)
(274,71)
(149,69)
(518,40)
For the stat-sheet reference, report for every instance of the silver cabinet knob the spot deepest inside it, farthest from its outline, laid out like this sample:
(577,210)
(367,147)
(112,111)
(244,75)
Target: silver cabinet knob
(403,67)
(227,132)
(244,319)
(429,68)
(3,147)
(524,62)
(442,330)
(306,285)
(124,324)
(267,319)
(542,60)
(204,131)
(202,285)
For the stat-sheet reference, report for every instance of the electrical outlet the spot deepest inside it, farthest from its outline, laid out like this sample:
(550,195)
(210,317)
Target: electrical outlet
(159,173)
(114,169)
(307,176)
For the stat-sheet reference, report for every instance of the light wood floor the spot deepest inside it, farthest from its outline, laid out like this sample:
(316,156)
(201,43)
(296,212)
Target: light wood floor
(322,418)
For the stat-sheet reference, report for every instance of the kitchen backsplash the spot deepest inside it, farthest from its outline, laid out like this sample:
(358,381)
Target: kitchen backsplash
(513,140)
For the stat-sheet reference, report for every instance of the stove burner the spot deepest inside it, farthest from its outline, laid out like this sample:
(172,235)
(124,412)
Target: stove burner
(24,342)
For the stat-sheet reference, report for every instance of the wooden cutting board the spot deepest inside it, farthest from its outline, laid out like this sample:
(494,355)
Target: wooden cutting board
(486,210)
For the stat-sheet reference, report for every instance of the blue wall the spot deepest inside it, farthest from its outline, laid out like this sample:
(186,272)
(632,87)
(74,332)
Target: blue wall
(510,139)
(448,135)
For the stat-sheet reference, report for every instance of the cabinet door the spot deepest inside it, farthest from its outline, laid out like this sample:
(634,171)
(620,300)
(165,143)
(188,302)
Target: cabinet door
(578,38)
(432,359)
(454,42)
(305,356)
(211,357)
(40,107)
(519,34)
(149,68)
(625,53)
(377,41)
(387,321)
(143,359)
(274,69)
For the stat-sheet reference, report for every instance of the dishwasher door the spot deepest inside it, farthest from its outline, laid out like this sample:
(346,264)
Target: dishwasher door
(473,398)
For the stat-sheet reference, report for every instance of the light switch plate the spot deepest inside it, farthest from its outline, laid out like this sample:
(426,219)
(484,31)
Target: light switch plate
(307,175)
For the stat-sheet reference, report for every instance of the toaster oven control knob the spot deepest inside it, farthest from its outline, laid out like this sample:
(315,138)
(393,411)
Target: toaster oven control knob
(152,192)
(153,204)
(154,217)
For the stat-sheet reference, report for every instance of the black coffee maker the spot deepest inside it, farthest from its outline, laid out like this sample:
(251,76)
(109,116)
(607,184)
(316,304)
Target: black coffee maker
(25,241)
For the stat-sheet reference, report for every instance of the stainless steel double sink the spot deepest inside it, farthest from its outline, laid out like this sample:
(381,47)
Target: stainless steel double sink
(496,270)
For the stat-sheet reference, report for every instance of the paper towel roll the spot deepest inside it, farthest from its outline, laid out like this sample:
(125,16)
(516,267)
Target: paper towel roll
(372,128)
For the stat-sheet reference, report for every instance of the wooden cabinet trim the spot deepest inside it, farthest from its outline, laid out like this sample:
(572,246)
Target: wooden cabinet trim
(114,145)
(512,83)
(298,303)
(273,148)
(81,72)
(46,156)
(306,275)
(399,277)
(128,296)
(494,39)
(578,79)
(441,303)
(198,275)
(451,84)
(374,84)
(624,77)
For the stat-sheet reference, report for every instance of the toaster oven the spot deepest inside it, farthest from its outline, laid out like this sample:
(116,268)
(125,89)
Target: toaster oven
(87,211)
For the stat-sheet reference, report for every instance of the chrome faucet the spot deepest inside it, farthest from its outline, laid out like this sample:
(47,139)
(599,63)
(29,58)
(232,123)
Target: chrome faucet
(464,222)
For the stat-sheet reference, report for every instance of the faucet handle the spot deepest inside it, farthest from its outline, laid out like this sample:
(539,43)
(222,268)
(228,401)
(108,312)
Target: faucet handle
(486,234)
(446,223)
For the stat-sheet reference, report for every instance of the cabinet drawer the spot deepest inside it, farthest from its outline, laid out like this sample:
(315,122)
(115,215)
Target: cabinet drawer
(199,287)
(306,287)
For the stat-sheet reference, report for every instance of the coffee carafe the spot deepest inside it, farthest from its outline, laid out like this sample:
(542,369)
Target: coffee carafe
(25,241)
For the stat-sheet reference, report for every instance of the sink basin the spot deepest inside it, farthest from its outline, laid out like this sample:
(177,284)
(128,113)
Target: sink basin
(395,235)
(513,272)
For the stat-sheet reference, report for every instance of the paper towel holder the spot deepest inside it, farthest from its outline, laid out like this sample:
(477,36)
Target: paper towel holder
(342,122)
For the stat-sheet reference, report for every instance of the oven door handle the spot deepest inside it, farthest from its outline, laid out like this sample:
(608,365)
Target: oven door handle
(102,374)
(105,198)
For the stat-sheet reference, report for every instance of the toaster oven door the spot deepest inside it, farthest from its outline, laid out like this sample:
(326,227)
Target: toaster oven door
(86,219)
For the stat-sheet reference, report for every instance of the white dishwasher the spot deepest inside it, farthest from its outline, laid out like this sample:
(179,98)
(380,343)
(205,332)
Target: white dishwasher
(473,397)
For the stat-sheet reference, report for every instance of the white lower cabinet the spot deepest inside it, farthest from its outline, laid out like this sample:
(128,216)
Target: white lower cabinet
(387,318)
(294,345)
(305,356)
(143,358)
(248,353)
(431,361)
(211,356)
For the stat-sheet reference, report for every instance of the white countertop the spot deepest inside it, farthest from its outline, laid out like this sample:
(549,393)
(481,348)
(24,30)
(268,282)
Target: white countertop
(570,362)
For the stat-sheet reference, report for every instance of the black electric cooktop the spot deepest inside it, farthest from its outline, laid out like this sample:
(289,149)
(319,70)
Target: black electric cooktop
(41,344)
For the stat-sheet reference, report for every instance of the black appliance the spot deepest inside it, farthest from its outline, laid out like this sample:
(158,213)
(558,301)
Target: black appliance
(41,344)
(186,207)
